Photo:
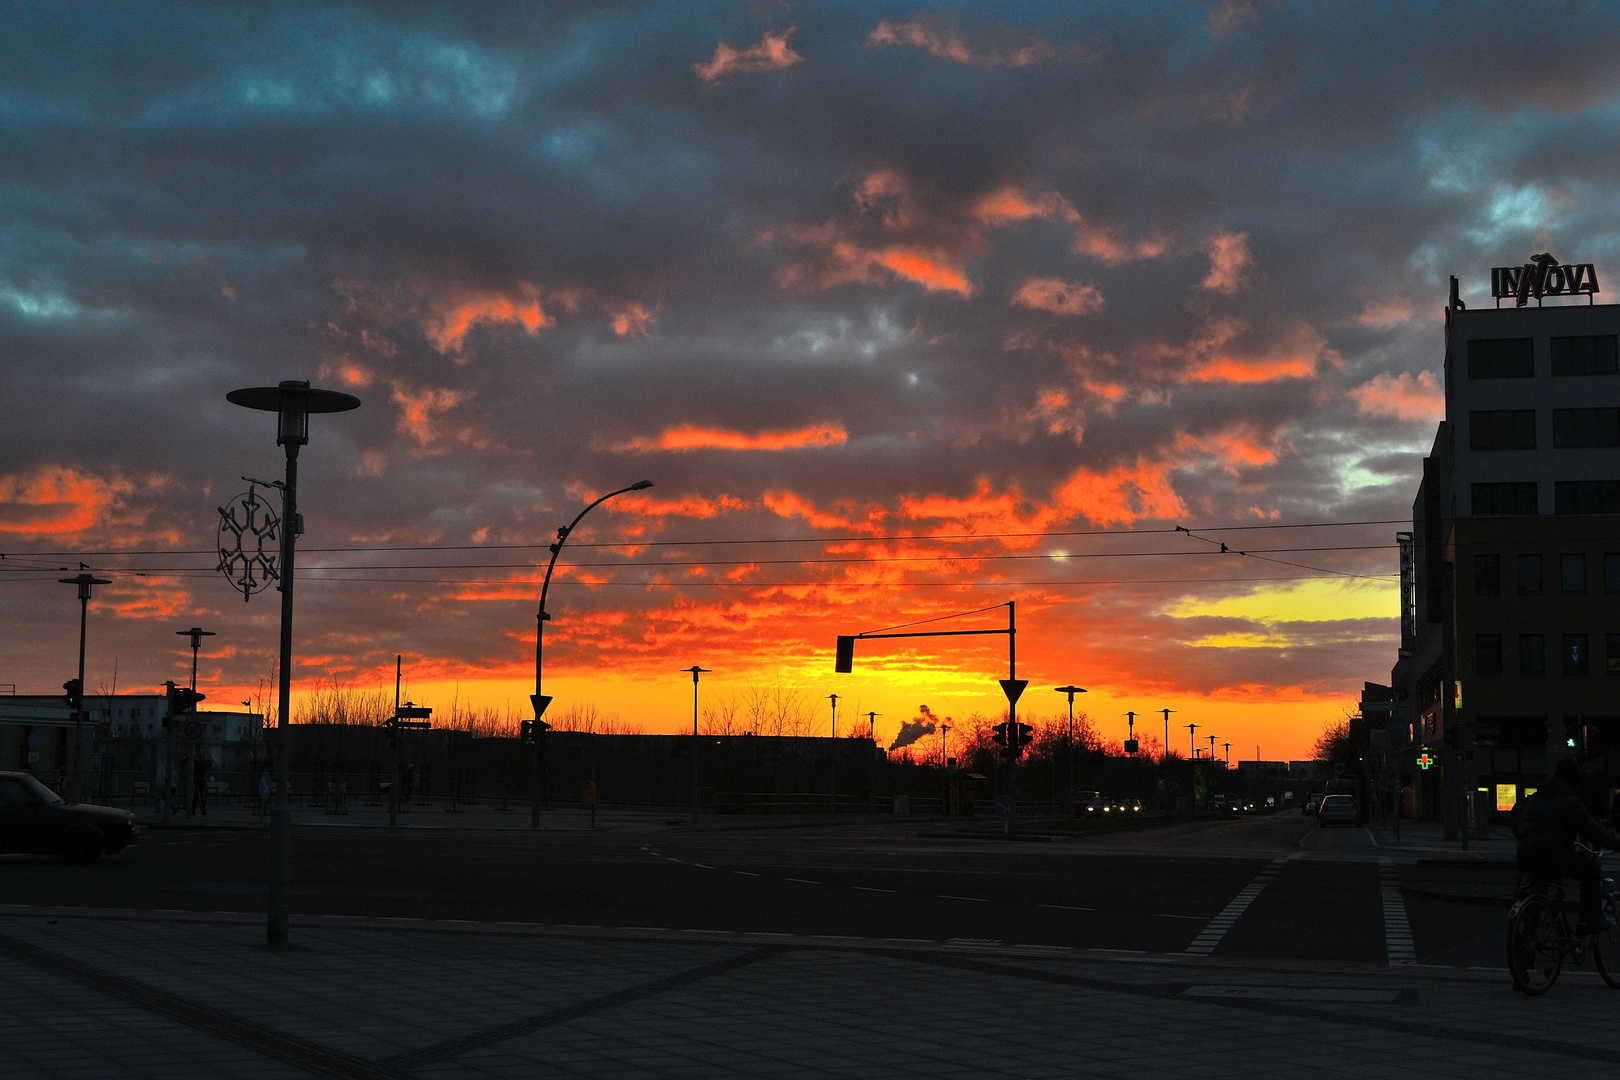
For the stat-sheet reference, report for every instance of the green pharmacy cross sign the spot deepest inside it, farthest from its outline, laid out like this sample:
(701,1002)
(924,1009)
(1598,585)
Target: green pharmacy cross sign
(1425,761)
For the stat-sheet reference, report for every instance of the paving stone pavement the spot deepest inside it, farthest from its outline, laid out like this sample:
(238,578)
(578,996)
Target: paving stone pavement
(137,994)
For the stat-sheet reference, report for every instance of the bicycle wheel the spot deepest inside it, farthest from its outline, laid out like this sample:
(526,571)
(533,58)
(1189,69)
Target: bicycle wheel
(1534,945)
(1606,944)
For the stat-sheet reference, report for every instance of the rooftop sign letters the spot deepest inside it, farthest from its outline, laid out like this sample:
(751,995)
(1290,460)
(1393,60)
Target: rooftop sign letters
(1543,276)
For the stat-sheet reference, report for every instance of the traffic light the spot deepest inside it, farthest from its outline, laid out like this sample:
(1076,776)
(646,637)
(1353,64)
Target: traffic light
(1574,733)
(181,701)
(530,730)
(844,656)
(391,725)
(999,736)
(1132,746)
(1026,735)
(74,695)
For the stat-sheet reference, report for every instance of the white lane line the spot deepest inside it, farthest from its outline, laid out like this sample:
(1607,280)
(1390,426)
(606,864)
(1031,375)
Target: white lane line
(802,881)
(975,899)
(705,865)
(745,873)
(868,888)
(1166,915)
(1211,935)
(1065,907)
(1397,930)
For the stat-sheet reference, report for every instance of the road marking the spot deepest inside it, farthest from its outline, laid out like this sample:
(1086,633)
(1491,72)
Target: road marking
(975,899)
(1349,995)
(745,873)
(868,888)
(1167,915)
(1211,935)
(1397,930)
(802,881)
(1065,907)
(705,865)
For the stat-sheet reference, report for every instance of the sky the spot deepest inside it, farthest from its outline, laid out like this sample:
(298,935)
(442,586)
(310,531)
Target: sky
(905,310)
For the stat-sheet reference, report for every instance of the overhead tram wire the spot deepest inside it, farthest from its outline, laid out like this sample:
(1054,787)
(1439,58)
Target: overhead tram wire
(880,538)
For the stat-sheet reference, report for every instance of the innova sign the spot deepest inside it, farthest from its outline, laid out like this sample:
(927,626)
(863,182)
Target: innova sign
(1543,276)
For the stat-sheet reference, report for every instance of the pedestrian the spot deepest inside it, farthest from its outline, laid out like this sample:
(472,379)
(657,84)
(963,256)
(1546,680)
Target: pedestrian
(199,783)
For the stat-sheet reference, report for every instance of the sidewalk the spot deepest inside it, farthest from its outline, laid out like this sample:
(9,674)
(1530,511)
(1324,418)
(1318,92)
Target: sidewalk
(146,994)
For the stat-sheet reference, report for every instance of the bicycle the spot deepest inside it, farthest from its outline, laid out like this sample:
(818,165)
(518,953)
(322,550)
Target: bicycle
(1539,936)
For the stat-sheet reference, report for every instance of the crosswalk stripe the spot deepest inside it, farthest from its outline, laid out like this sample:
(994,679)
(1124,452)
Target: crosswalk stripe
(1216,929)
(1397,930)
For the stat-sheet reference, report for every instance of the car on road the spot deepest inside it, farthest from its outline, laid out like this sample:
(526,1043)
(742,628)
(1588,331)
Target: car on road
(1091,804)
(1312,801)
(1130,806)
(1338,810)
(34,820)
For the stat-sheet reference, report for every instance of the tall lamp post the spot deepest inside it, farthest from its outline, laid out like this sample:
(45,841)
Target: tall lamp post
(834,699)
(541,617)
(1071,690)
(1166,752)
(85,581)
(196,633)
(696,671)
(293,401)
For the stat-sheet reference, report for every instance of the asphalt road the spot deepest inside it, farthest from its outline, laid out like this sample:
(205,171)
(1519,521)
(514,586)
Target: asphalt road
(1155,890)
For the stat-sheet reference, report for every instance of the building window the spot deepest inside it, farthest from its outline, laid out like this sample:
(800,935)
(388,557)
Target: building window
(1613,643)
(1591,354)
(1532,654)
(1575,658)
(1572,574)
(1487,654)
(1501,358)
(1487,575)
(1611,573)
(1529,575)
(1586,497)
(1502,429)
(1576,428)
(1504,500)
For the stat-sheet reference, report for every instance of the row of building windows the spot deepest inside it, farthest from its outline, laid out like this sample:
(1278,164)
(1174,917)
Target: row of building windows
(1516,498)
(1515,429)
(1515,358)
(1573,654)
(1571,574)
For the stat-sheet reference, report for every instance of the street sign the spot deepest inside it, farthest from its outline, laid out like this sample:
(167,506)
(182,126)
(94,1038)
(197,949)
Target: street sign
(193,730)
(1006,809)
(1013,688)
(416,725)
(540,702)
(414,712)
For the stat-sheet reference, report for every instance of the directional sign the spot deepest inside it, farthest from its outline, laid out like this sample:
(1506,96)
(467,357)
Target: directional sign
(1013,688)
(540,702)
(414,712)
(1006,809)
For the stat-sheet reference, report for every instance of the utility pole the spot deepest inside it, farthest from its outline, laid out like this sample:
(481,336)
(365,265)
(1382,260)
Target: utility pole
(1166,752)
(871,725)
(196,633)
(85,581)
(1192,741)
(944,767)
(696,671)
(1073,783)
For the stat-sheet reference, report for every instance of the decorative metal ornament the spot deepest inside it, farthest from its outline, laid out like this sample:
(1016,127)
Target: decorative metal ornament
(250,542)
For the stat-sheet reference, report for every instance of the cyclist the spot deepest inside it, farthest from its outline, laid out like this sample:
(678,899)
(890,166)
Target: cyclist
(1548,824)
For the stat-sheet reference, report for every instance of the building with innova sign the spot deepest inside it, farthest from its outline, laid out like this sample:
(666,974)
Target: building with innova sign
(1510,629)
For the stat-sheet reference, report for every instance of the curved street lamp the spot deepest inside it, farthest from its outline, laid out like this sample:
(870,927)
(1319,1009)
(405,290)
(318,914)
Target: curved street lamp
(539,700)
(292,401)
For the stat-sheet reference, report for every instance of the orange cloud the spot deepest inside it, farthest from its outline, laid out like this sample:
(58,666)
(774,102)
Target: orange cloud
(418,406)
(696,438)
(1059,297)
(1386,313)
(1293,354)
(949,45)
(787,504)
(630,318)
(692,506)
(1403,396)
(1010,205)
(449,324)
(1233,449)
(1117,496)
(847,260)
(771,54)
(53,501)
(1229,261)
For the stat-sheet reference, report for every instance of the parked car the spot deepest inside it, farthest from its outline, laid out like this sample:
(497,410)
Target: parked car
(35,821)
(1312,800)
(1338,810)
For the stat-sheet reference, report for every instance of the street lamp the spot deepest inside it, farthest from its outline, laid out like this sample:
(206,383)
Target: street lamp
(1164,756)
(834,699)
(1071,690)
(539,700)
(292,401)
(696,671)
(196,633)
(85,581)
